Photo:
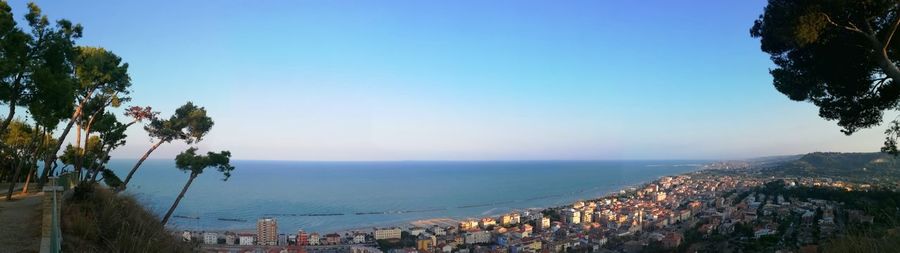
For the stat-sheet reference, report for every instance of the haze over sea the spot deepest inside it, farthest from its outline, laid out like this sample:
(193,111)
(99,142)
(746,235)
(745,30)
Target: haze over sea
(310,195)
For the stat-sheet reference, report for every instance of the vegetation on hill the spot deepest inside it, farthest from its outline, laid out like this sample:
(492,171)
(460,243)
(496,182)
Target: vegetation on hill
(861,167)
(95,219)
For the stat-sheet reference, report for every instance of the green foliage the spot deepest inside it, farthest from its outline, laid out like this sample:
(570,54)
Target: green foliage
(860,167)
(881,204)
(99,69)
(189,123)
(829,53)
(890,142)
(110,178)
(36,67)
(189,161)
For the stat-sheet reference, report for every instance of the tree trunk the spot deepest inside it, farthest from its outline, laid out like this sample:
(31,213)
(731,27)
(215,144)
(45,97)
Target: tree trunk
(12,184)
(178,199)
(27,180)
(9,117)
(12,103)
(97,170)
(888,66)
(141,161)
(77,165)
(79,159)
(51,154)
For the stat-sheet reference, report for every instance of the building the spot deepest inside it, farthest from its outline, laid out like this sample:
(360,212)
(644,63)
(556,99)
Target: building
(415,231)
(515,218)
(363,249)
(282,239)
(424,243)
(267,231)
(545,223)
(230,238)
(387,233)
(572,216)
(487,222)
(468,225)
(474,237)
(358,238)
(314,239)
(660,196)
(438,230)
(302,238)
(332,239)
(210,238)
(586,217)
(506,219)
(246,239)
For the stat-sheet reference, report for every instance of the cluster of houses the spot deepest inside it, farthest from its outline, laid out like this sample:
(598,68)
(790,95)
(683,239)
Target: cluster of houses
(656,213)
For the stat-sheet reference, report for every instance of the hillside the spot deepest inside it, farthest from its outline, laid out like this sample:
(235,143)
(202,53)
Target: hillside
(870,167)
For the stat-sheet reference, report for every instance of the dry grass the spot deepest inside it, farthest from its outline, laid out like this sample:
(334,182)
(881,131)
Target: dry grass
(96,220)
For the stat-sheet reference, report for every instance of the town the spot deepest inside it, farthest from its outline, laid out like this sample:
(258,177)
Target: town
(737,208)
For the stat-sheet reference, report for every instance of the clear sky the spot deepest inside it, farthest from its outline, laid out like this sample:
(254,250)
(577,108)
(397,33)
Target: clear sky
(459,80)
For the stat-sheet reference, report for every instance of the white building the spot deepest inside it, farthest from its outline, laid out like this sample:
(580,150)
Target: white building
(477,237)
(246,239)
(210,238)
(415,231)
(438,230)
(314,239)
(387,233)
(515,218)
(545,223)
(282,239)
(359,238)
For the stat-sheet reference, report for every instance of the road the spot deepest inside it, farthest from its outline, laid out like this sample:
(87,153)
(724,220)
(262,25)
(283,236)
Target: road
(20,223)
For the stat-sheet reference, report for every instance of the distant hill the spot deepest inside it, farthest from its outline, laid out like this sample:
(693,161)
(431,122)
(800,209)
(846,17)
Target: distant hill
(773,160)
(850,166)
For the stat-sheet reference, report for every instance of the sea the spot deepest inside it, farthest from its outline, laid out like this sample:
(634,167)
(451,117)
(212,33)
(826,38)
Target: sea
(339,196)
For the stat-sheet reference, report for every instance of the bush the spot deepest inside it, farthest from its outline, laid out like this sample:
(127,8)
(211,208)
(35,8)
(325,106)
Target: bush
(96,220)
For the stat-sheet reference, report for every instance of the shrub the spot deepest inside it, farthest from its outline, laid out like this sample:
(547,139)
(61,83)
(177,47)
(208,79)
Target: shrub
(96,220)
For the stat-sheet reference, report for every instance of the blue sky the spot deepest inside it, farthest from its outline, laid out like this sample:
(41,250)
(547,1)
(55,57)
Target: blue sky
(459,80)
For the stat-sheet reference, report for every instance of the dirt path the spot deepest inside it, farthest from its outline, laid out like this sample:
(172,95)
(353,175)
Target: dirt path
(20,223)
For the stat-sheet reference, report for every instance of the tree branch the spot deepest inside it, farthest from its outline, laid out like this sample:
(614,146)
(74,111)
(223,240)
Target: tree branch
(851,27)
(887,40)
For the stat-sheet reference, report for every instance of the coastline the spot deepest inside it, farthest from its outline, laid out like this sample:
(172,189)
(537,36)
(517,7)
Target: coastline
(451,221)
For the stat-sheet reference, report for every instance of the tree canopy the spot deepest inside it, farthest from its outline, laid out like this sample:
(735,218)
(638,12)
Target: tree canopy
(837,54)
(190,161)
(189,123)
(36,68)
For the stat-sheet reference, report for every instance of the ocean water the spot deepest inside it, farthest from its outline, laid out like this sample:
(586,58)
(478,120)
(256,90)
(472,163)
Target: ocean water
(335,196)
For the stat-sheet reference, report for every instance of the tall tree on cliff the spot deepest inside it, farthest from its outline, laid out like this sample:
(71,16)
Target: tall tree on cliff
(189,123)
(841,56)
(102,81)
(189,161)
